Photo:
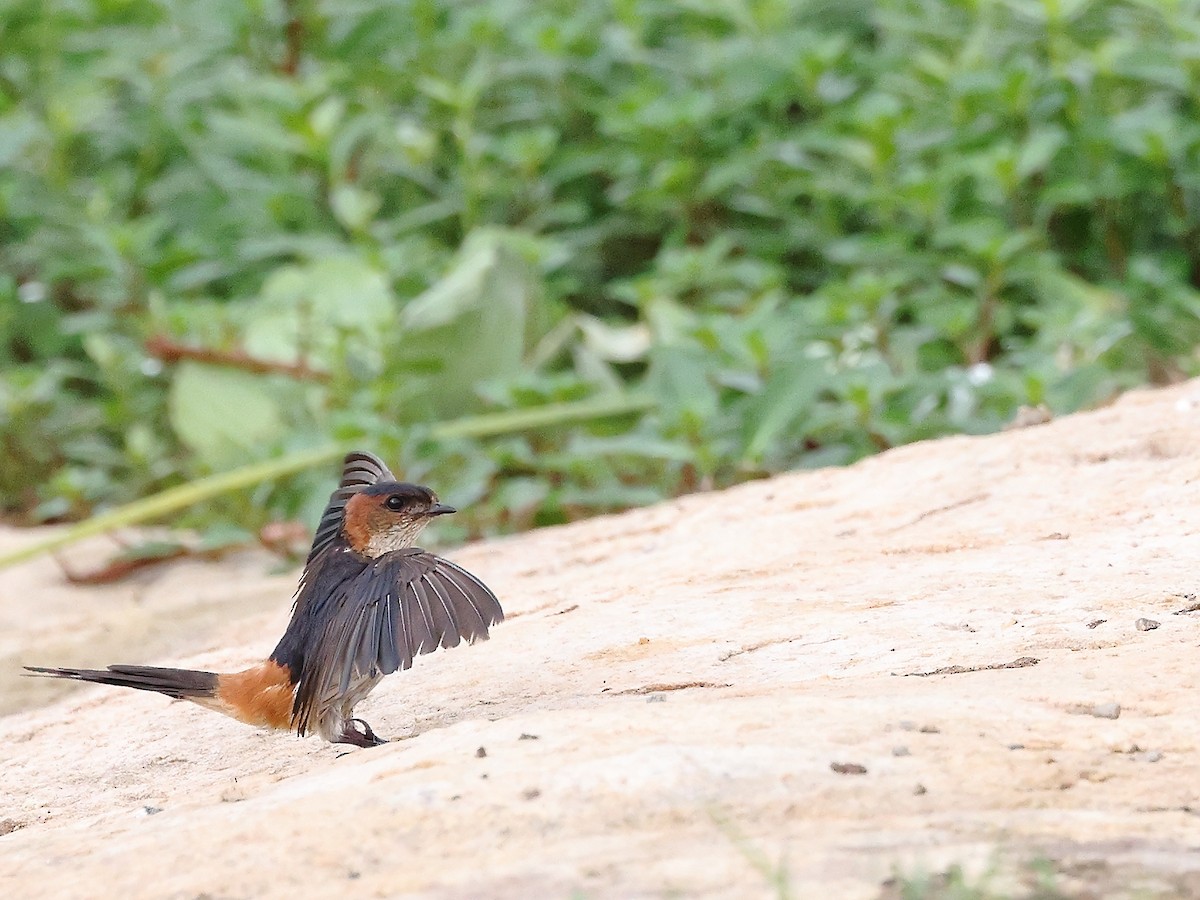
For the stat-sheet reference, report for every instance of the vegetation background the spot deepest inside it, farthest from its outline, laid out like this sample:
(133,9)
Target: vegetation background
(770,234)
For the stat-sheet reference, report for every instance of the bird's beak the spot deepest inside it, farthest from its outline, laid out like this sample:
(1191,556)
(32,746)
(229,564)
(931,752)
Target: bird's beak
(441,509)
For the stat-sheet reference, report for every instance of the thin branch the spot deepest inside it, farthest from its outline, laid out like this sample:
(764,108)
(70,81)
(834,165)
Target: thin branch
(293,36)
(169,350)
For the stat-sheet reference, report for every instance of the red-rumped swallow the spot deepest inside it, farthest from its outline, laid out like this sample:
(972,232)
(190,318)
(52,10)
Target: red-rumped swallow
(367,603)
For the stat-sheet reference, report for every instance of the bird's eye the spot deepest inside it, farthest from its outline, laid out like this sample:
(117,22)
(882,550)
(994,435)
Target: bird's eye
(394,502)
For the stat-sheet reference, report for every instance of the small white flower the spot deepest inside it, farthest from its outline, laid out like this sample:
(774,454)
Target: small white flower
(980,373)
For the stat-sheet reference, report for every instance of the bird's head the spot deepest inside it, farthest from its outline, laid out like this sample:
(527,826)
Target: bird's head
(388,516)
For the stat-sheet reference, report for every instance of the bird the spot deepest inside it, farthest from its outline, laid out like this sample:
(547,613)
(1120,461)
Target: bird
(368,602)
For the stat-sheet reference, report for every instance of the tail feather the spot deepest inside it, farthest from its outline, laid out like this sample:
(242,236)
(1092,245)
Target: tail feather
(179,684)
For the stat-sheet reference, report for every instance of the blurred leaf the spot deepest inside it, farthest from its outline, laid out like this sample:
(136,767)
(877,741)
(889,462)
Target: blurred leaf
(353,206)
(306,311)
(615,343)
(785,398)
(470,325)
(679,378)
(221,414)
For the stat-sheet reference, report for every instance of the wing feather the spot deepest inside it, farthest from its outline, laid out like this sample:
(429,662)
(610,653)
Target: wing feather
(424,637)
(479,599)
(352,661)
(359,469)
(444,610)
(468,613)
(400,606)
(486,602)
(388,657)
(317,666)
(403,637)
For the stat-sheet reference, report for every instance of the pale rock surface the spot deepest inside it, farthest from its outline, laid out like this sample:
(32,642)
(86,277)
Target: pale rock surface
(662,708)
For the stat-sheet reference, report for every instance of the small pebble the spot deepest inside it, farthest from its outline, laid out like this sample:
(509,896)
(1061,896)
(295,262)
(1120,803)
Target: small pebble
(657,698)
(1151,756)
(1096,622)
(1145,624)
(1028,416)
(929,729)
(481,753)
(528,737)
(900,751)
(848,768)
(530,794)
(1107,710)
(919,790)
(1016,746)
(1099,710)
(152,810)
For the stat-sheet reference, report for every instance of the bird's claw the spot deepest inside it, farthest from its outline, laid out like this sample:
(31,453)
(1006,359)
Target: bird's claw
(366,737)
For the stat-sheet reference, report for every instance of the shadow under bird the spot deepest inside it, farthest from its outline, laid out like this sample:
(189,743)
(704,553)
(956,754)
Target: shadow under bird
(368,602)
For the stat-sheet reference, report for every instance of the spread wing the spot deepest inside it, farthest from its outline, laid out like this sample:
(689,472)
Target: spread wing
(404,604)
(359,469)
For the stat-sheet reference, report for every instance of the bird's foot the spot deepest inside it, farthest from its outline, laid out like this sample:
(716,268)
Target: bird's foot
(366,737)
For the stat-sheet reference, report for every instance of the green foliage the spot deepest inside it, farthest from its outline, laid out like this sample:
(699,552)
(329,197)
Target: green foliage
(808,230)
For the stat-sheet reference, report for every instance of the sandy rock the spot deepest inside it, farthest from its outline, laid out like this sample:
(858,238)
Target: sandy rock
(783,624)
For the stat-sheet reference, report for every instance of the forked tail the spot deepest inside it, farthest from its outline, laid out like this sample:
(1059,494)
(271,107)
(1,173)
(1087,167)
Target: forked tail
(179,684)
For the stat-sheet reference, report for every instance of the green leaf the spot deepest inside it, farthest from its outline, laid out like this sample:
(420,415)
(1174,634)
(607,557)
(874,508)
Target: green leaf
(789,392)
(305,311)
(224,414)
(471,324)
(354,207)
(679,378)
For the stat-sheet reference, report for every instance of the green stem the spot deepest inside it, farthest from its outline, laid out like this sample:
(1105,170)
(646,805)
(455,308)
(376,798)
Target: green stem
(173,499)
(492,424)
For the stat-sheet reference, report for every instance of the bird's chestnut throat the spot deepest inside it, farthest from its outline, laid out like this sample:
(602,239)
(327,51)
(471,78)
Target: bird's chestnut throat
(371,529)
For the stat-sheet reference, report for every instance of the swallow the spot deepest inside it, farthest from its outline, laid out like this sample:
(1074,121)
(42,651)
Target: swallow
(367,604)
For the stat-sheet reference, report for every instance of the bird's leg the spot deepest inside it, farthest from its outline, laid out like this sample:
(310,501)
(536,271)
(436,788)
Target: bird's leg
(352,735)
